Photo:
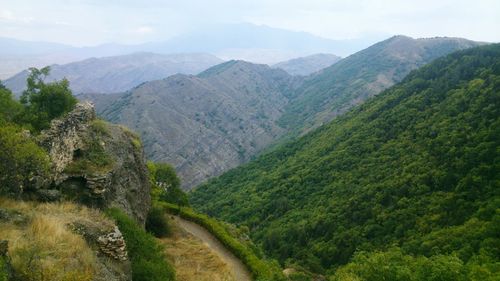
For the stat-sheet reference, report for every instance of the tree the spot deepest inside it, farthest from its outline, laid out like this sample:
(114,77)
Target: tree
(45,101)
(167,184)
(9,108)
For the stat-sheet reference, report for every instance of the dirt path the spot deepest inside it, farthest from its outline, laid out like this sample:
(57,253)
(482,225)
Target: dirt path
(237,268)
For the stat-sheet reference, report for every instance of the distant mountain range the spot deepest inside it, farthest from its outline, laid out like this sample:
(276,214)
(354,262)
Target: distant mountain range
(204,124)
(209,123)
(307,65)
(260,44)
(119,73)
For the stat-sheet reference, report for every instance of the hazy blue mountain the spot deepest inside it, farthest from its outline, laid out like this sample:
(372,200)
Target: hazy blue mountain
(250,42)
(238,40)
(9,46)
(120,73)
(307,65)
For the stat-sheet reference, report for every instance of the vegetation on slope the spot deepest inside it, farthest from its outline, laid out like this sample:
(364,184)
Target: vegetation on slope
(193,259)
(409,178)
(22,160)
(145,252)
(352,80)
(261,269)
(42,243)
(47,244)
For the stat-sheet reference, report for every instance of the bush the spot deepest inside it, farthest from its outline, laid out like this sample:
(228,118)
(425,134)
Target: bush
(157,222)
(147,256)
(21,160)
(261,270)
(4,273)
(9,108)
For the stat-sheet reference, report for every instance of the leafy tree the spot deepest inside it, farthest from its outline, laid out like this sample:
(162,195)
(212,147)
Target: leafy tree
(166,184)
(9,108)
(45,101)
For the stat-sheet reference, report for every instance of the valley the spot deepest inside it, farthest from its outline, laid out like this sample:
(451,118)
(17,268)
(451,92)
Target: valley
(249,141)
(229,113)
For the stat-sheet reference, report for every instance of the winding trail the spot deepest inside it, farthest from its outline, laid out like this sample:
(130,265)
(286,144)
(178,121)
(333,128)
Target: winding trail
(238,269)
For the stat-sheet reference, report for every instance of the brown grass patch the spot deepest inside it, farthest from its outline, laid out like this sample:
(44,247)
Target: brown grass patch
(193,260)
(41,244)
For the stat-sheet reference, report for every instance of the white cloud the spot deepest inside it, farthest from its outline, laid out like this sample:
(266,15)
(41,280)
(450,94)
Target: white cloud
(143,30)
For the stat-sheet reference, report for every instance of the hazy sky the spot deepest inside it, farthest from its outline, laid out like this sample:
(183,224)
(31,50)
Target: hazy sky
(89,22)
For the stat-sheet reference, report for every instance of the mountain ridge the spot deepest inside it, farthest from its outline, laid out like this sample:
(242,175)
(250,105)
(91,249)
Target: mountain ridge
(413,168)
(120,73)
(217,119)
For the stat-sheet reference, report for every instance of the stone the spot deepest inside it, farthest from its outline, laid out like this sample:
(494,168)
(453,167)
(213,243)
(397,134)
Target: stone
(113,245)
(48,195)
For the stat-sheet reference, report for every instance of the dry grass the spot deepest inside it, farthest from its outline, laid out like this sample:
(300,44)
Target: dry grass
(193,260)
(41,244)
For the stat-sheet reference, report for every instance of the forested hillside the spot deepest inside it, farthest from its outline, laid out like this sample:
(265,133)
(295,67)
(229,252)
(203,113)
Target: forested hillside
(364,74)
(410,178)
(221,118)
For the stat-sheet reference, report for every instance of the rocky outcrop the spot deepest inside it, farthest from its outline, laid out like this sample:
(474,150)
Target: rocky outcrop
(95,163)
(64,137)
(113,245)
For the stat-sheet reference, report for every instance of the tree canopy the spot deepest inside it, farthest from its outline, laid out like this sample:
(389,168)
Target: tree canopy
(414,169)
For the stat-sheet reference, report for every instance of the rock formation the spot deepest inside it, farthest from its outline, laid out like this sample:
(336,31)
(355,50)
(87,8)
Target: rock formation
(95,163)
(113,245)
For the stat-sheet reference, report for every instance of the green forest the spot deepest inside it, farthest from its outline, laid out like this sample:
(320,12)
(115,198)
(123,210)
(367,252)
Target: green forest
(408,179)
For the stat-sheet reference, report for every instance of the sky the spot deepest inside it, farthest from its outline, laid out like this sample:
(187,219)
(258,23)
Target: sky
(92,22)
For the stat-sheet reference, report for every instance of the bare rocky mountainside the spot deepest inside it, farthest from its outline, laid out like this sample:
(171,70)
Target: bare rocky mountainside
(204,124)
(119,73)
(308,65)
(212,122)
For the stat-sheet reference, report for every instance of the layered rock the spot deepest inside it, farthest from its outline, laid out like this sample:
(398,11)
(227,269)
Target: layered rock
(95,163)
(113,245)
(65,136)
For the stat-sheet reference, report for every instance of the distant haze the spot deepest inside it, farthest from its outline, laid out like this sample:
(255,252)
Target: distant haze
(92,22)
(260,31)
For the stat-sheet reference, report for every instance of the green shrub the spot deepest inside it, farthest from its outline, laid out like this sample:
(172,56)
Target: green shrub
(21,160)
(93,158)
(157,222)
(99,126)
(261,270)
(147,256)
(4,274)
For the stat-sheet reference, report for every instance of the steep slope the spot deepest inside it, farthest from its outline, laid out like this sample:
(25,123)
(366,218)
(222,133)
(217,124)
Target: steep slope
(95,163)
(415,167)
(203,124)
(120,73)
(364,74)
(307,65)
